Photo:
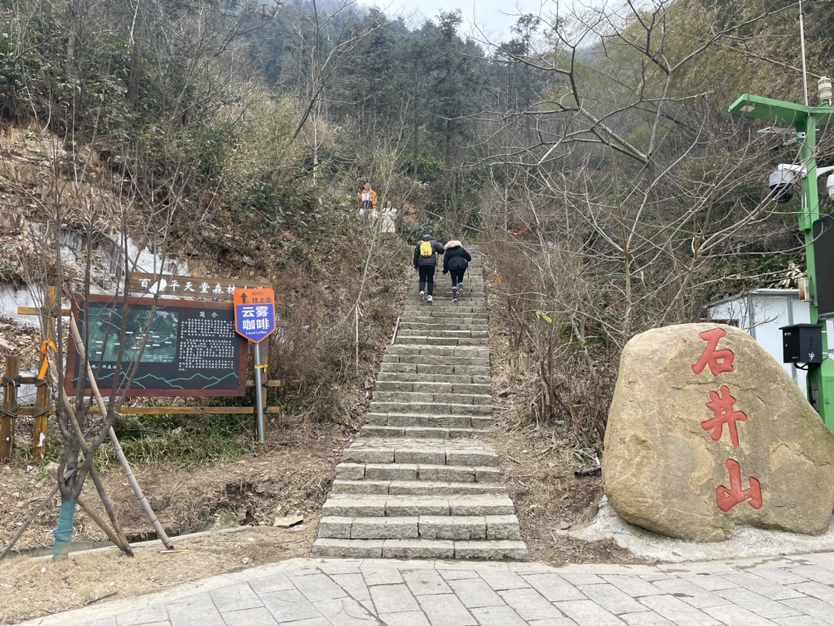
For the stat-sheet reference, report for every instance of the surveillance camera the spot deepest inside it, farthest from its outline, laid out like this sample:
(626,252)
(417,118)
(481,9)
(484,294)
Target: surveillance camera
(829,185)
(781,185)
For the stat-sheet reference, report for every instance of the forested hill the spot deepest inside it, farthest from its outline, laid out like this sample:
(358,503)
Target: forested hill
(592,153)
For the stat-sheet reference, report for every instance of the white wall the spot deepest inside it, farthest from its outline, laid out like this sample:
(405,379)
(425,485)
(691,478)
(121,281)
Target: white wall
(762,312)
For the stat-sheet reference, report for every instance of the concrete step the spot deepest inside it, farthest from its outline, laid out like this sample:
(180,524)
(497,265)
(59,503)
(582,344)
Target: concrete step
(435,352)
(427,396)
(395,366)
(415,420)
(421,549)
(421,432)
(454,527)
(398,450)
(440,341)
(439,387)
(464,310)
(348,505)
(381,472)
(435,326)
(431,408)
(431,377)
(456,334)
(414,487)
(437,364)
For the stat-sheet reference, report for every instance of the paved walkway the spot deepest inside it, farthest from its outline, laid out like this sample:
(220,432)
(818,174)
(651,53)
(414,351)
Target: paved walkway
(784,591)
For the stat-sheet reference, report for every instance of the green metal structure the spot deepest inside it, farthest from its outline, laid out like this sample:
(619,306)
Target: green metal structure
(805,120)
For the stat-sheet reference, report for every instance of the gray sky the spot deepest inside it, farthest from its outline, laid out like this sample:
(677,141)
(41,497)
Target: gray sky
(493,17)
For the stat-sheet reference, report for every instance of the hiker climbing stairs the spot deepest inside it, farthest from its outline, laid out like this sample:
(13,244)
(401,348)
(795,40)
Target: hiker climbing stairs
(418,483)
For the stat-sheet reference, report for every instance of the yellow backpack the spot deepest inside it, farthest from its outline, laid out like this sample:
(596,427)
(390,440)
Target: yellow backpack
(426,249)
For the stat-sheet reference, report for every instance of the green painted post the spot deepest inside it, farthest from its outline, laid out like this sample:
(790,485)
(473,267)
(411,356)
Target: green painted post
(805,120)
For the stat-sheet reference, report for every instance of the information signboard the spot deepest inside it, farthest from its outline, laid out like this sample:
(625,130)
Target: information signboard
(255,313)
(192,347)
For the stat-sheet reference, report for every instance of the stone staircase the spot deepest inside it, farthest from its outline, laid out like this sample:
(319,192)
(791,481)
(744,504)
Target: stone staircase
(417,483)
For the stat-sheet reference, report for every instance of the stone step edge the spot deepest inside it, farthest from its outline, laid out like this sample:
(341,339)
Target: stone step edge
(421,549)
(422,432)
(451,527)
(414,487)
(404,506)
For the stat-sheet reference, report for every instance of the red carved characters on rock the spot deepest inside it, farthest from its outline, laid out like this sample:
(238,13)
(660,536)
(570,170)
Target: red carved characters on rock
(722,407)
(728,498)
(711,356)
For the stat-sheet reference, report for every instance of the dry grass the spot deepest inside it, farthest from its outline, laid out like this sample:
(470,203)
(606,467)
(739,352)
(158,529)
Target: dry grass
(35,587)
(538,464)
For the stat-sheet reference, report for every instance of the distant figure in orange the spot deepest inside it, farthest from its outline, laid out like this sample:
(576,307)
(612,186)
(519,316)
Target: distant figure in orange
(367,200)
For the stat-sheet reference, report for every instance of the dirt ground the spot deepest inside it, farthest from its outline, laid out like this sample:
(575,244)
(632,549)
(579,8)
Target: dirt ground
(292,476)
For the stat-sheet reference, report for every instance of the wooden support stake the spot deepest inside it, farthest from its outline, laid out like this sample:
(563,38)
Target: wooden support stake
(43,394)
(29,520)
(41,421)
(7,419)
(100,523)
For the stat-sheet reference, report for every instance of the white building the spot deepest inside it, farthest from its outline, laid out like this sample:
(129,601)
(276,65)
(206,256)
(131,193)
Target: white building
(761,313)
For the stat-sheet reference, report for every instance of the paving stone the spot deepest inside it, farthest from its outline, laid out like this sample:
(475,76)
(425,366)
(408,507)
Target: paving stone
(501,581)
(632,586)
(456,574)
(365,455)
(425,581)
(250,617)
(611,599)
(198,610)
(405,618)
(553,587)
(319,587)
(690,593)
(345,612)
(756,603)
(445,610)
(382,576)
(810,606)
(143,616)
(530,604)
(677,611)
(393,598)
(646,619)
(470,458)
(737,616)
(354,584)
(587,613)
(235,598)
(274,582)
(474,592)
(769,589)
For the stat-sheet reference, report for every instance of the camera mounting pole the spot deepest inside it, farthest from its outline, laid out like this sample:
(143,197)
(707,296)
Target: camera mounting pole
(805,120)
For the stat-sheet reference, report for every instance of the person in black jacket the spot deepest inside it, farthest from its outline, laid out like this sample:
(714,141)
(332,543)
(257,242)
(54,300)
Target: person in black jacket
(456,261)
(425,262)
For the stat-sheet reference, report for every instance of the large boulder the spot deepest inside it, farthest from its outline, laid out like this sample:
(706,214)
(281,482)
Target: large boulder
(706,430)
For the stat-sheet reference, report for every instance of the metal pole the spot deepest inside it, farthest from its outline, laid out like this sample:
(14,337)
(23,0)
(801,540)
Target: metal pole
(259,389)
